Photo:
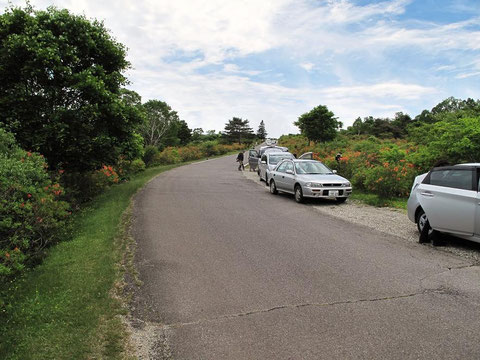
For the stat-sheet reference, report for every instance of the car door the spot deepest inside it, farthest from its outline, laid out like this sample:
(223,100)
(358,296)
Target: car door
(253,158)
(477,212)
(449,198)
(263,166)
(289,179)
(306,156)
(279,176)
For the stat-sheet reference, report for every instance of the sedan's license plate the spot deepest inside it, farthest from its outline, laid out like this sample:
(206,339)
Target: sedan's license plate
(333,193)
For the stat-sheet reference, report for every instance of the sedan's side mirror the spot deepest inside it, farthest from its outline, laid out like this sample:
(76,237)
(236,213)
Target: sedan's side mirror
(334,171)
(263,162)
(289,172)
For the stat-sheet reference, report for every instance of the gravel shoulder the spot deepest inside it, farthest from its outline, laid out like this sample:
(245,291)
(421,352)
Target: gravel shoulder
(386,220)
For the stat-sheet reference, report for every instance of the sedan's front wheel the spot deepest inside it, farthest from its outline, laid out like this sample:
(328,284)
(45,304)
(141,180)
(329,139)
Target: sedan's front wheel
(298,194)
(273,188)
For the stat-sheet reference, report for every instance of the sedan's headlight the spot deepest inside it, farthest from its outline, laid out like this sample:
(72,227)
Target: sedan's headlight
(313,185)
(346,184)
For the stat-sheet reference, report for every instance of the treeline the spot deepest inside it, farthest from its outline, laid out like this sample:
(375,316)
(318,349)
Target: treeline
(402,125)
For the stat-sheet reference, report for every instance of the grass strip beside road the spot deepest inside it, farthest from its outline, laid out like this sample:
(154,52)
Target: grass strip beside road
(65,308)
(375,200)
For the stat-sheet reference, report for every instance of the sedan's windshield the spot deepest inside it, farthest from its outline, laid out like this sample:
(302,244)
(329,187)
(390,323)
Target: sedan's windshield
(312,168)
(274,159)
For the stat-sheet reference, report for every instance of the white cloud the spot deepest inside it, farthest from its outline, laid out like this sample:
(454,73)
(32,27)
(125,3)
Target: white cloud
(308,66)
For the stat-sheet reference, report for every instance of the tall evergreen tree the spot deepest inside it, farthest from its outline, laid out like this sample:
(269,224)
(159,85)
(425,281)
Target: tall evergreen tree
(238,130)
(262,133)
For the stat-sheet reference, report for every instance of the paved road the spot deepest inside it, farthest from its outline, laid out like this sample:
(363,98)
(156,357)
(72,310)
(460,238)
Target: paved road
(233,272)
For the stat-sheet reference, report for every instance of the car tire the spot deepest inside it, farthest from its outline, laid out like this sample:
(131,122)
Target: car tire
(298,194)
(341,200)
(273,188)
(423,226)
(421,220)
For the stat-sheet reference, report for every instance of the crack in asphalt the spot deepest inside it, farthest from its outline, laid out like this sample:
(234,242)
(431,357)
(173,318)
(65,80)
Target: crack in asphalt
(298,306)
(448,269)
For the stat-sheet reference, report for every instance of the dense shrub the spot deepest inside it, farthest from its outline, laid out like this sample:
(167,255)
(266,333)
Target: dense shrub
(383,167)
(174,155)
(149,154)
(32,216)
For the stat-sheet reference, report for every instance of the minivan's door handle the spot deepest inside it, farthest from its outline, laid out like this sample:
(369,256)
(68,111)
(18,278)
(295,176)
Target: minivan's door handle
(427,194)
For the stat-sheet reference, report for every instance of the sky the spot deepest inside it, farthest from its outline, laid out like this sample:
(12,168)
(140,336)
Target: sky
(274,60)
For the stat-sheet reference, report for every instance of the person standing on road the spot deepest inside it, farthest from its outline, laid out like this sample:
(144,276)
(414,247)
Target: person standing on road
(240,161)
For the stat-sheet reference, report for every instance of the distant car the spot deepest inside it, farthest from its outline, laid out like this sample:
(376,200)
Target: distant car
(308,178)
(446,199)
(268,162)
(264,149)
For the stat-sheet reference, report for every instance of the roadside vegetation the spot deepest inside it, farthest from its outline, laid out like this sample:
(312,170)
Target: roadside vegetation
(382,157)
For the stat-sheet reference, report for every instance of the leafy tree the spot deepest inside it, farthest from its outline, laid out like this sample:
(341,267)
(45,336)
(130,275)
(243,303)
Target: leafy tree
(60,84)
(261,133)
(238,130)
(159,118)
(184,133)
(319,124)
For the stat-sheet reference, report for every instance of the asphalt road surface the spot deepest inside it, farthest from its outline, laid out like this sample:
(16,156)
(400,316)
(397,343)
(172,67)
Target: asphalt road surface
(230,271)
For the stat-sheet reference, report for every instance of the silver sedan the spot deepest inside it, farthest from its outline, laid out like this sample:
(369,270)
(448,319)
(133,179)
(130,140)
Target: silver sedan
(308,178)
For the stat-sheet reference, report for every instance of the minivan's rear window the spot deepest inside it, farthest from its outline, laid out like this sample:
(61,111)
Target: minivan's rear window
(453,178)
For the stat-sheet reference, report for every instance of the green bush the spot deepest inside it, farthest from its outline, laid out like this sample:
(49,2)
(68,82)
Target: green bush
(168,156)
(149,154)
(32,216)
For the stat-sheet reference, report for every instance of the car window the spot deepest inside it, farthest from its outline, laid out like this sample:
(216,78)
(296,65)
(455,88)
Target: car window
(452,178)
(289,166)
(282,167)
(264,158)
(311,167)
(275,159)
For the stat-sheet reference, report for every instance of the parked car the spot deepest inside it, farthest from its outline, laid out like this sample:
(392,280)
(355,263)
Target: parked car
(446,199)
(264,149)
(308,178)
(268,162)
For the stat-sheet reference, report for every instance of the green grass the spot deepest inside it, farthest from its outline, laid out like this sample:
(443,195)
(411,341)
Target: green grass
(66,307)
(375,200)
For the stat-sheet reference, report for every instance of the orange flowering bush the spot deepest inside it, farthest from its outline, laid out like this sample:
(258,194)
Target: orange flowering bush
(32,214)
(382,167)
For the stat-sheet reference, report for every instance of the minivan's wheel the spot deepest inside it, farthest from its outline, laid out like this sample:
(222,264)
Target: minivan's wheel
(422,220)
(298,194)
(273,188)
(341,200)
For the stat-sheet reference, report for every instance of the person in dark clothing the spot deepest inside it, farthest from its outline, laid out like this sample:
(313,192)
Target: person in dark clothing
(338,157)
(240,161)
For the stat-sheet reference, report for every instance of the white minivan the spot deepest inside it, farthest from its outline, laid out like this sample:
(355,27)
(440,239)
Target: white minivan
(447,199)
